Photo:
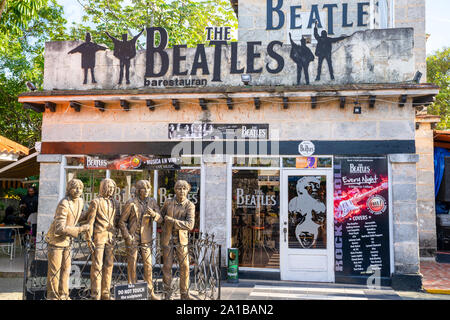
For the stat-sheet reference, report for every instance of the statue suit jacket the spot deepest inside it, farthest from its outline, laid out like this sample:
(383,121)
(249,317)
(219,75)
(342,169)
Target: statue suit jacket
(184,215)
(63,227)
(134,217)
(103,215)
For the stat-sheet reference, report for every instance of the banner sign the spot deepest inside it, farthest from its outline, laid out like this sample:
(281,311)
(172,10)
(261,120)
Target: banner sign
(361,217)
(214,131)
(131,162)
(136,291)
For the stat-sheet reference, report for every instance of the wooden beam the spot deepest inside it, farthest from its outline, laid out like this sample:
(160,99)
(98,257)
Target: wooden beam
(36,107)
(51,106)
(75,105)
(100,105)
(125,105)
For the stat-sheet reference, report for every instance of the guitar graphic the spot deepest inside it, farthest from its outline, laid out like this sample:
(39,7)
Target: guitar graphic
(347,206)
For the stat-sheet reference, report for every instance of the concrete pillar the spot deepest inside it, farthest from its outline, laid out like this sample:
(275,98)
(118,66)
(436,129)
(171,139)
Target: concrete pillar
(425,186)
(405,223)
(216,203)
(49,185)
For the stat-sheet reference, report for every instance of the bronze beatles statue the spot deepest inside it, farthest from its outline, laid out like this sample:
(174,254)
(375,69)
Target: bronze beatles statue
(102,216)
(62,229)
(179,216)
(136,225)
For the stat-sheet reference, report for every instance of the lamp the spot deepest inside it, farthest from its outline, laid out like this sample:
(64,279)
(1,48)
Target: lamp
(246,78)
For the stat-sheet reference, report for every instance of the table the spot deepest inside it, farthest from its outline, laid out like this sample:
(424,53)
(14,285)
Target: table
(15,228)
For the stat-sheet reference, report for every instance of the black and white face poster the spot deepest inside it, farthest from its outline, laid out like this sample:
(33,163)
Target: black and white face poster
(361,217)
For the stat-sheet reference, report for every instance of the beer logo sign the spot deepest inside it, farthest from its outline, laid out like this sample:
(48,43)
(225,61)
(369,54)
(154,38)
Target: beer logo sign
(376,204)
(135,162)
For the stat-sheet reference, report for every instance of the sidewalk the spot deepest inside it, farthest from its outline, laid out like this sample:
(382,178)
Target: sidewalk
(436,277)
(287,290)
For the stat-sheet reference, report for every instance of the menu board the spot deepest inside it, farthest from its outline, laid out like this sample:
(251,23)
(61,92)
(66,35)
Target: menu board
(361,217)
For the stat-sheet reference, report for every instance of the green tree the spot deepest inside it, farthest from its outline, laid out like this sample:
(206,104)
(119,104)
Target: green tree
(185,20)
(16,14)
(438,72)
(22,60)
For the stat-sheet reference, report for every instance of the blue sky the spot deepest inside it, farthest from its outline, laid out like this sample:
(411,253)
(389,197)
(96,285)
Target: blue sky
(437,20)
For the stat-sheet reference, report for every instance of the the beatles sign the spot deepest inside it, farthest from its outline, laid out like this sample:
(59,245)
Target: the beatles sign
(368,56)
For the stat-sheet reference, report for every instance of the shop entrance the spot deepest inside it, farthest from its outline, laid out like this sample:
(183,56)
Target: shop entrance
(306,225)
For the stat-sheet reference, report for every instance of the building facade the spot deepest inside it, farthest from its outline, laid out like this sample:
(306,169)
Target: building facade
(300,153)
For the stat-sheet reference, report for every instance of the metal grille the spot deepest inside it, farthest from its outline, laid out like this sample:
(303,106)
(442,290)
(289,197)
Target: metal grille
(204,268)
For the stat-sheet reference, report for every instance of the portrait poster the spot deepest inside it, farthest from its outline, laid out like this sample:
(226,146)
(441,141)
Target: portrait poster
(361,217)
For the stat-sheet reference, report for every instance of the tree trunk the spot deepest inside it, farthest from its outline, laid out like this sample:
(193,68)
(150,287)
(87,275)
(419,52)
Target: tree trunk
(2,7)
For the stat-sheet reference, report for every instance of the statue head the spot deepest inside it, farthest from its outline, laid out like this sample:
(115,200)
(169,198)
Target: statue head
(143,189)
(182,188)
(124,37)
(107,188)
(74,188)
(324,34)
(303,41)
(88,37)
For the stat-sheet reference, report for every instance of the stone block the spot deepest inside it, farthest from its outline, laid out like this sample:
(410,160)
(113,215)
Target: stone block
(404,212)
(426,177)
(425,192)
(49,188)
(397,130)
(47,205)
(361,130)
(424,145)
(404,193)
(426,208)
(49,171)
(49,158)
(403,158)
(406,257)
(425,161)
(58,132)
(405,231)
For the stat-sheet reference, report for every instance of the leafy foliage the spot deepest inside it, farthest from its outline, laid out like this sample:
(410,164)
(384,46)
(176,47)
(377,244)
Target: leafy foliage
(185,20)
(438,72)
(22,60)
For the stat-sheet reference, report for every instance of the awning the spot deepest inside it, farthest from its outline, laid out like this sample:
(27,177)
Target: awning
(23,168)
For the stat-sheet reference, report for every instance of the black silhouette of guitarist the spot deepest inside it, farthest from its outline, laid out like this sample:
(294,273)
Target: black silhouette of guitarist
(302,56)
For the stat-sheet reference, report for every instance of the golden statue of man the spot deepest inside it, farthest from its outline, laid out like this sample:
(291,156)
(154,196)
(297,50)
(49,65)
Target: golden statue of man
(102,216)
(179,216)
(136,225)
(59,236)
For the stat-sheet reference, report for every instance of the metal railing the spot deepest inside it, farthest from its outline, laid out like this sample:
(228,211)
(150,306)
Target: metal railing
(204,265)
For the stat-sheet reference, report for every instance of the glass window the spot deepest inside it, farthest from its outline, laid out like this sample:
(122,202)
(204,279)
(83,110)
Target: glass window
(256,162)
(126,181)
(166,184)
(307,209)
(255,217)
(307,162)
(91,180)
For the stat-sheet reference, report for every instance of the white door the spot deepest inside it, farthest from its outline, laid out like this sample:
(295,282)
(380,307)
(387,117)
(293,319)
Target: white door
(306,225)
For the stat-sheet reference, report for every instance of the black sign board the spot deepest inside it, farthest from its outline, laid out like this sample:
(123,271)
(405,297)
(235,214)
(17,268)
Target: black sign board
(213,131)
(361,218)
(136,291)
(132,162)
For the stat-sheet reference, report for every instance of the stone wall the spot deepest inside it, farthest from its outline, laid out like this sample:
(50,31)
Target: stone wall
(49,185)
(387,121)
(405,222)
(425,189)
(407,14)
(371,56)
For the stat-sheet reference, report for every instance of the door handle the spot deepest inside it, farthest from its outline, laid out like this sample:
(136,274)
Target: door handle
(284,231)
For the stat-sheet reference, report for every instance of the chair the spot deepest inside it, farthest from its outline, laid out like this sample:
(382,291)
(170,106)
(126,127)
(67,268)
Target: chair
(6,240)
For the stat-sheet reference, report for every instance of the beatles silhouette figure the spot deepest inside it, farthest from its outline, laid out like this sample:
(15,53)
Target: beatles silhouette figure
(124,50)
(323,50)
(88,51)
(302,56)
